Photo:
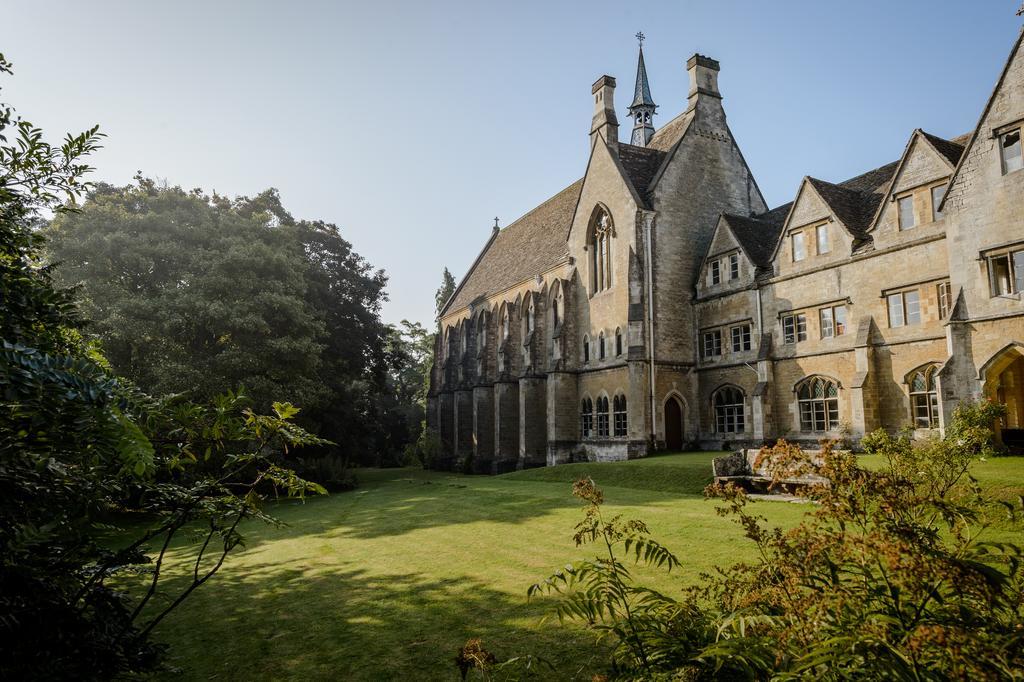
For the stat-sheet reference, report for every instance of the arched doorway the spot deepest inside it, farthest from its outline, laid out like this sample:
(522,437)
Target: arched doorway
(673,424)
(1004,384)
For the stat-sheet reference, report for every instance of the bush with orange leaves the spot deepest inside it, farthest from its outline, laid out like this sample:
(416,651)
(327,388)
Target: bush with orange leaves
(889,576)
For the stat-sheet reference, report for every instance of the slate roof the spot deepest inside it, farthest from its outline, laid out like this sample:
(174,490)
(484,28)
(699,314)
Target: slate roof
(757,235)
(642,91)
(853,208)
(666,137)
(951,149)
(641,165)
(529,246)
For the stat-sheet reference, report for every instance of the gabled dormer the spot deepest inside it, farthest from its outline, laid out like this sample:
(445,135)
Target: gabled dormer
(740,251)
(824,226)
(726,267)
(910,206)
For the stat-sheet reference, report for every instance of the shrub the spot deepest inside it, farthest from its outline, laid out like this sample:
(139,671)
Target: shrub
(887,577)
(425,451)
(331,471)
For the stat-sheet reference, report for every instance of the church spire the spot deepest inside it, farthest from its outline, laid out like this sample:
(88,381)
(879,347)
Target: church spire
(643,107)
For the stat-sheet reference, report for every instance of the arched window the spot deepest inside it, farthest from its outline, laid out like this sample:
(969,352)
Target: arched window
(729,417)
(530,317)
(557,308)
(618,341)
(924,400)
(600,345)
(602,417)
(601,251)
(586,418)
(619,414)
(506,324)
(818,398)
(464,337)
(481,331)
(586,349)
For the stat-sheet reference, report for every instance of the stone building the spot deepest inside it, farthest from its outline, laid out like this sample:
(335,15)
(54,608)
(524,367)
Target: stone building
(658,303)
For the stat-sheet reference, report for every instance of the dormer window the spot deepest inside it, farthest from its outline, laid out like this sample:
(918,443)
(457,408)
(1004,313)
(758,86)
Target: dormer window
(905,209)
(734,266)
(938,194)
(821,234)
(799,246)
(1010,151)
(716,272)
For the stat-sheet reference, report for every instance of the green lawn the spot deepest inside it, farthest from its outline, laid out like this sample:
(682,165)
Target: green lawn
(385,582)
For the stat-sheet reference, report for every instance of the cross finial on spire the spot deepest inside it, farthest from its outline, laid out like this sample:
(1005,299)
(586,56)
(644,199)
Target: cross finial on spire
(495,222)
(643,107)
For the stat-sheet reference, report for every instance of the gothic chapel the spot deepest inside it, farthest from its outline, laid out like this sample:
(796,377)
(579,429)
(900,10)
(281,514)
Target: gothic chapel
(658,303)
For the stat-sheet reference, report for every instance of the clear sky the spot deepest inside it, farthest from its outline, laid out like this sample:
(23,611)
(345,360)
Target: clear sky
(412,124)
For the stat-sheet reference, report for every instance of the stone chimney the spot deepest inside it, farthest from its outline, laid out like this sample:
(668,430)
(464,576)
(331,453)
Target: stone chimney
(604,124)
(703,79)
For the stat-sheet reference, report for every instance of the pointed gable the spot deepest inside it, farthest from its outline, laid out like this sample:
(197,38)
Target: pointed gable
(1007,96)
(926,158)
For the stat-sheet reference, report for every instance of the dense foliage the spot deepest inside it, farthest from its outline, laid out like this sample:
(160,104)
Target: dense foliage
(190,292)
(889,577)
(80,447)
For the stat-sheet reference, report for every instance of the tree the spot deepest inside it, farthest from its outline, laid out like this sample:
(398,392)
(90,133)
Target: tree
(190,292)
(444,292)
(78,445)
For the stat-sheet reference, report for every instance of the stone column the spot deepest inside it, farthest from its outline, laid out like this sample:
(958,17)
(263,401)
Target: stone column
(446,426)
(562,417)
(533,432)
(864,413)
(483,429)
(463,426)
(761,399)
(506,426)
(639,420)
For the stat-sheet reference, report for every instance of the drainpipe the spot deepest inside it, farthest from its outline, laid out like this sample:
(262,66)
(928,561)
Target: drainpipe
(760,313)
(649,273)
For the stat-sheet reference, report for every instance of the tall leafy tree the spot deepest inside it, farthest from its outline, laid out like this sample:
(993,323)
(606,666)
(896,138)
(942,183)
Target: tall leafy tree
(444,292)
(77,445)
(190,292)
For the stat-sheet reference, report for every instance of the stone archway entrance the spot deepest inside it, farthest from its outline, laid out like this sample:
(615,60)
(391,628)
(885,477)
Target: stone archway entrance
(673,424)
(1004,384)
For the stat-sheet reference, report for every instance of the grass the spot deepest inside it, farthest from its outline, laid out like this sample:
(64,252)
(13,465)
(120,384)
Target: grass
(387,581)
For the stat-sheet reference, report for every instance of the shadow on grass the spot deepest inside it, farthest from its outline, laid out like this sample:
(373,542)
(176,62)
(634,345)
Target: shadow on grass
(272,621)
